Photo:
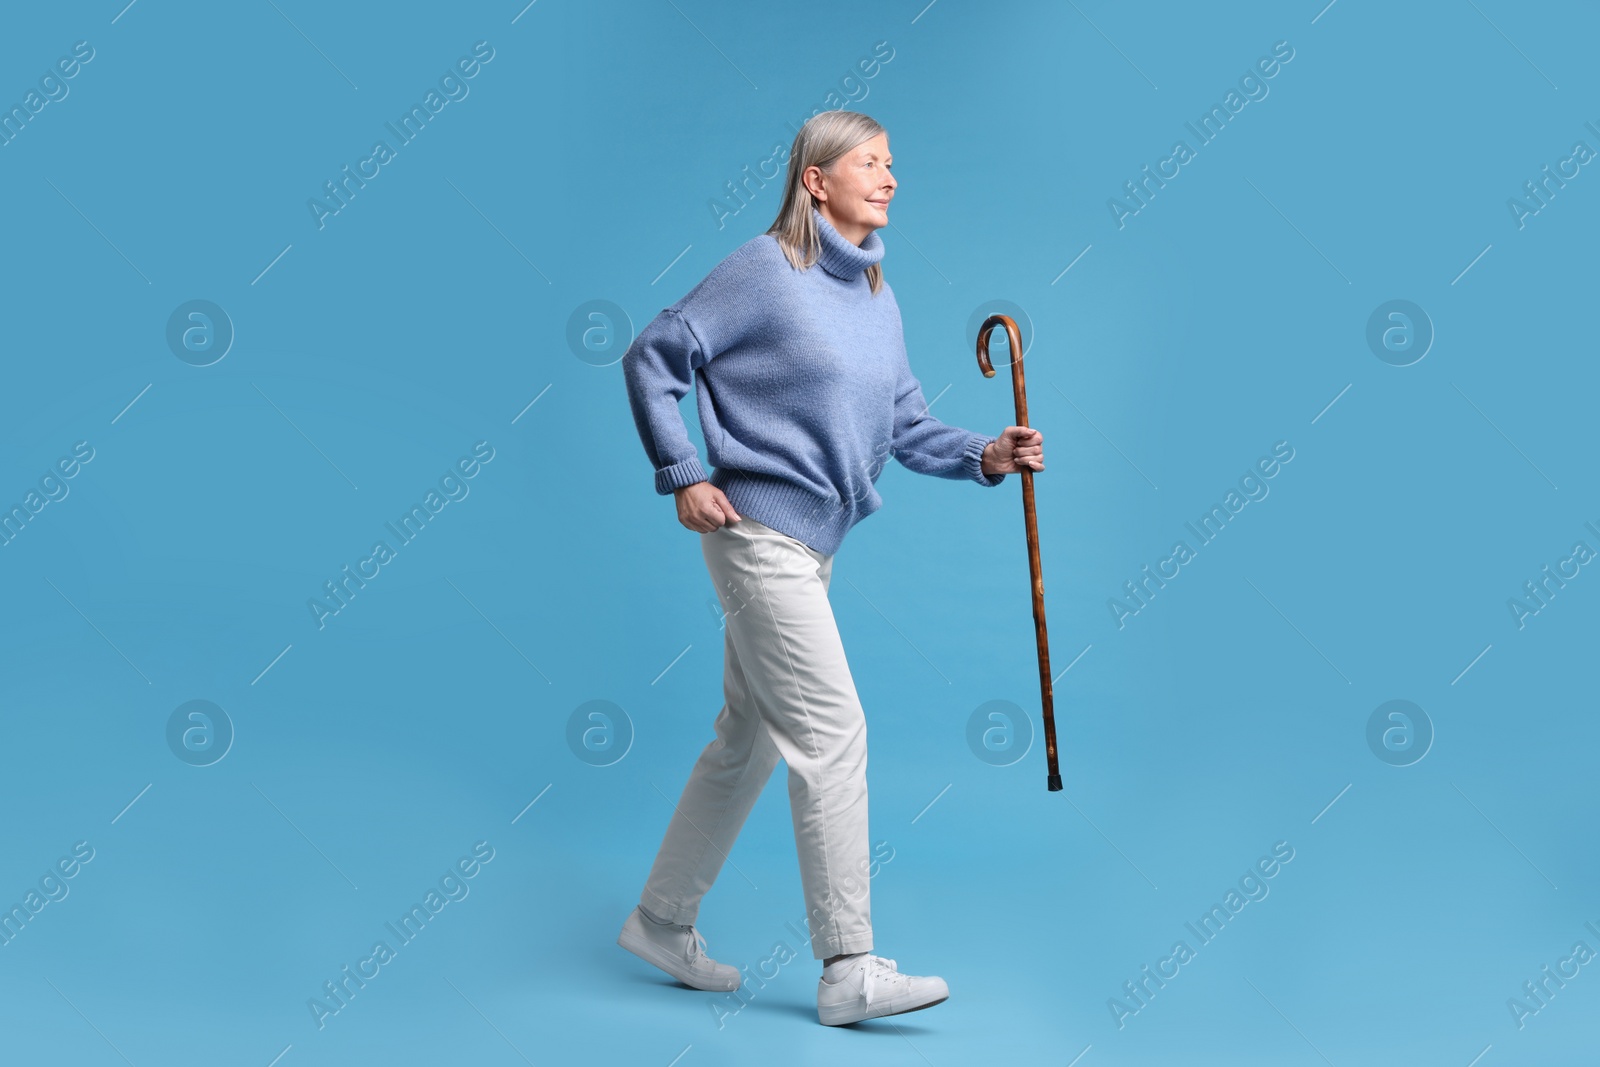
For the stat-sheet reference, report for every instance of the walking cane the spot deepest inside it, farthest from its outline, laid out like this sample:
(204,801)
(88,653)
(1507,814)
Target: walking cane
(1014,338)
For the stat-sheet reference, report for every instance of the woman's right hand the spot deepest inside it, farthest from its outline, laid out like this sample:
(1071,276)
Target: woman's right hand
(702,507)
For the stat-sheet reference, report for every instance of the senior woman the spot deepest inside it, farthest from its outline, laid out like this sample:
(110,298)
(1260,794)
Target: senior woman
(794,346)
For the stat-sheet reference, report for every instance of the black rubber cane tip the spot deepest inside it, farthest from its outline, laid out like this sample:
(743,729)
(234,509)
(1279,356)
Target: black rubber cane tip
(1053,783)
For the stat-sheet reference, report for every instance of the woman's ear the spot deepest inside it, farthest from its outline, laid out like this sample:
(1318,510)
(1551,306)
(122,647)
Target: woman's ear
(812,180)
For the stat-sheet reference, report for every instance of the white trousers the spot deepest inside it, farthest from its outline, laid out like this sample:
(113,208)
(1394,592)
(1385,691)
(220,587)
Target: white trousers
(787,695)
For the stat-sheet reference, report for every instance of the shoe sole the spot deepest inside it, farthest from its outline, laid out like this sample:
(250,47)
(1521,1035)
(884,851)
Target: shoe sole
(833,1017)
(653,955)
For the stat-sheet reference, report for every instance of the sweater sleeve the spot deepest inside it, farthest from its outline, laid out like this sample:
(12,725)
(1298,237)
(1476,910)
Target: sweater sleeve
(927,446)
(659,370)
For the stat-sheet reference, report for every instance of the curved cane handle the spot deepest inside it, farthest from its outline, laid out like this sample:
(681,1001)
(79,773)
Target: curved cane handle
(1014,337)
(1012,334)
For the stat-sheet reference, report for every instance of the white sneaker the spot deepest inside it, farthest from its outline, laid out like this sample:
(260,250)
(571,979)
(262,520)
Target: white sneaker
(874,988)
(677,949)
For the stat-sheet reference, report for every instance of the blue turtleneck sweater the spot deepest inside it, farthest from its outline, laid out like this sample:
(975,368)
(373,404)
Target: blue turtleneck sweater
(803,388)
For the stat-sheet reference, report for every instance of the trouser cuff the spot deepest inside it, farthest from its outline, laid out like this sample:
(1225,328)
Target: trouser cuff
(822,948)
(664,909)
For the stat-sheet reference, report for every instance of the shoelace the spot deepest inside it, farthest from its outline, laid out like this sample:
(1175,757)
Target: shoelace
(697,944)
(873,964)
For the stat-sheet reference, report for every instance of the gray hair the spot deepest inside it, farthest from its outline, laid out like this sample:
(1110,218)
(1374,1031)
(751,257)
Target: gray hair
(823,138)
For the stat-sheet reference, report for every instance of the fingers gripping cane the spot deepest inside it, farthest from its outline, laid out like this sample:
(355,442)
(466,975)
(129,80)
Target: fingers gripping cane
(1014,338)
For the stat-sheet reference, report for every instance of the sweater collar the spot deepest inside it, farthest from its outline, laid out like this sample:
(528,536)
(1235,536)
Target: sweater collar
(841,258)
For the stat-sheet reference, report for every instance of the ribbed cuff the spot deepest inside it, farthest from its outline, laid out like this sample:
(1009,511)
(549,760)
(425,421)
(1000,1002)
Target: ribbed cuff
(972,460)
(679,475)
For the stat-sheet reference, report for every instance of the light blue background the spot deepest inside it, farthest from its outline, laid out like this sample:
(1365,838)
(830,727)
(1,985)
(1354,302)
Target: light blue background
(433,310)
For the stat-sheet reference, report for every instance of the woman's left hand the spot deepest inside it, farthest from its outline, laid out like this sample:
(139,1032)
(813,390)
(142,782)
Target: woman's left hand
(1017,448)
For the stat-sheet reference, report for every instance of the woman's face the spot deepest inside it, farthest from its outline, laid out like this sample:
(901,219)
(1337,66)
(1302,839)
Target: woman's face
(855,196)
